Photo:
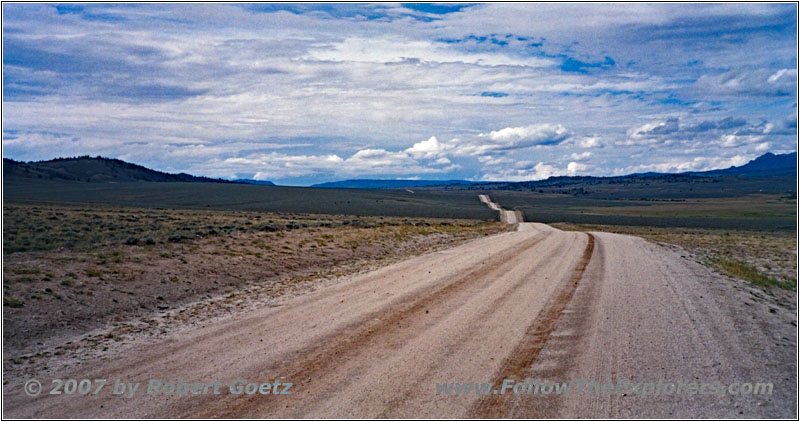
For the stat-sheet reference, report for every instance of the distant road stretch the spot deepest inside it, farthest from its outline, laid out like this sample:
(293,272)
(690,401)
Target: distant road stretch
(506,216)
(535,303)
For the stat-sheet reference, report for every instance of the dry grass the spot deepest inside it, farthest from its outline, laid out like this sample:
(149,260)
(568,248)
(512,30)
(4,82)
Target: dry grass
(29,228)
(80,273)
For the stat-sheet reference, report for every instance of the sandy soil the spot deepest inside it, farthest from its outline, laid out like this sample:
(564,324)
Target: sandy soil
(536,302)
(103,299)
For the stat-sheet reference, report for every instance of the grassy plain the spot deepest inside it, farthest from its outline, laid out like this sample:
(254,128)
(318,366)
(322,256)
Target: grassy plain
(71,270)
(242,197)
(756,212)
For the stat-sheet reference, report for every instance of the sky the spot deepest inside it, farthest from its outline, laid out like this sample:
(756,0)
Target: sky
(307,93)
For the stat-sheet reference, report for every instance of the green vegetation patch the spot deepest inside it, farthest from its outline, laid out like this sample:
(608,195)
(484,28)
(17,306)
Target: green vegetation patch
(743,271)
(13,302)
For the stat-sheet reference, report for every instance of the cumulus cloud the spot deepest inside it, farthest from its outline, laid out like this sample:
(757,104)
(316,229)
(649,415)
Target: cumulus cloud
(509,139)
(539,134)
(574,168)
(510,171)
(274,165)
(430,148)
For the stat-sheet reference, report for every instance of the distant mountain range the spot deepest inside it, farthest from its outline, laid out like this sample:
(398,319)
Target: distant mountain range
(766,162)
(255,182)
(107,170)
(388,183)
(93,170)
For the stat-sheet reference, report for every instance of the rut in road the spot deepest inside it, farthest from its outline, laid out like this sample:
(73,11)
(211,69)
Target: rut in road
(520,360)
(377,328)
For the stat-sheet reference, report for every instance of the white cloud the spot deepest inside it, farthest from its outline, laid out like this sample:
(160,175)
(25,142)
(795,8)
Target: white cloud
(732,141)
(650,133)
(588,142)
(788,73)
(395,49)
(426,149)
(319,84)
(371,158)
(760,82)
(573,168)
(678,165)
(508,139)
(529,135)
(581,156)
(507,170)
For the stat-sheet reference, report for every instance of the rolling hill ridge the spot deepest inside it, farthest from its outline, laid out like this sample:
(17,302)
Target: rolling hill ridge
(94,170)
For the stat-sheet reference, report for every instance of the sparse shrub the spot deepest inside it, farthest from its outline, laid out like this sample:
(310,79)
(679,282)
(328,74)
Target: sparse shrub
(25,271)
(93,272)
(13,302)
(266,228)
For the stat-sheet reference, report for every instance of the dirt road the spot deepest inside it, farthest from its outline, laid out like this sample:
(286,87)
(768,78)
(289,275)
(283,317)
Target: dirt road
(533,303)
(506,216)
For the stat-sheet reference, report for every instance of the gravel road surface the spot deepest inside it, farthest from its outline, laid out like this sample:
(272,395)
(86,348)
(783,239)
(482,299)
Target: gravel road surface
(533,303)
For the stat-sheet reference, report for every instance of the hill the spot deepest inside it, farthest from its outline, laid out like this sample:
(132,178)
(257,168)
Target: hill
(388,183)
(766,162)
(255,182)
(93,170)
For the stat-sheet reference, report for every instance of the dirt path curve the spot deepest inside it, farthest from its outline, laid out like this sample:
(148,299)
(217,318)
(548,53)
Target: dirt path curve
(506,216)
(536,302)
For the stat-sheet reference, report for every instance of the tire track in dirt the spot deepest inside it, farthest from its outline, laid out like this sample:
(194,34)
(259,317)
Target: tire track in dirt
(527,351)
(564,345)
(424,378)
(356,338)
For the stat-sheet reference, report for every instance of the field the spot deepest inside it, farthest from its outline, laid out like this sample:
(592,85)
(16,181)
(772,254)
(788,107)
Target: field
(93,275)
(241,197)
(751,237)
(751,212)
